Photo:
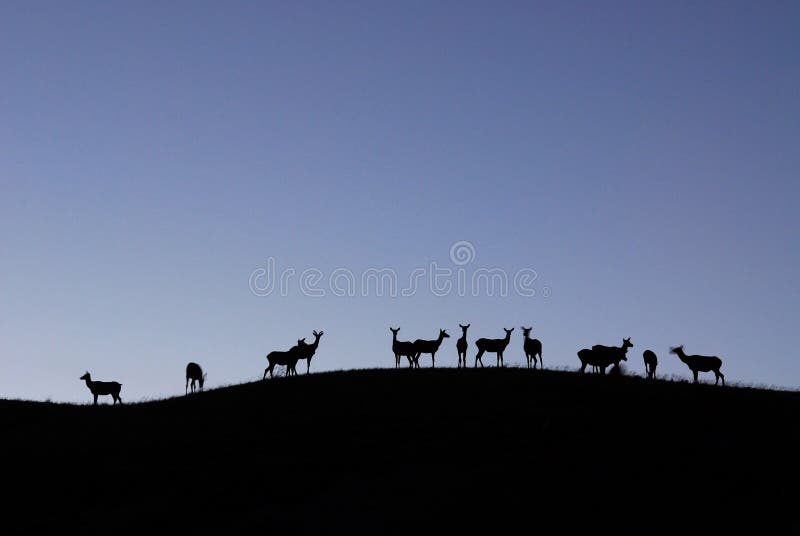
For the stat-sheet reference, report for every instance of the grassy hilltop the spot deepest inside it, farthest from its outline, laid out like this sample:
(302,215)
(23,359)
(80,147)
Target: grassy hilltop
(385,451)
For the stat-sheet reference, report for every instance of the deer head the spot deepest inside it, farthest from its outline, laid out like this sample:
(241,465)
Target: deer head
(678,350)
(394,330)
(318,335)
(526,331)
(508,331)
(86,376)
(464,328)
(443,334)
(626,343)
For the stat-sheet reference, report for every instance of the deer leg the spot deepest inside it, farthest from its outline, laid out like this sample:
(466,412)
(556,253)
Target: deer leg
(695,375)
(433,359)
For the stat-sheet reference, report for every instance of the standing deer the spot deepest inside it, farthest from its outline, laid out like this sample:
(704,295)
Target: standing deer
(286,359)
(532,347)
(497,346)
(602,356)
(308,350)
(461,346)
(650,364)
(700,363)
(422,346)
(102,388)
(401,349)
(195,374)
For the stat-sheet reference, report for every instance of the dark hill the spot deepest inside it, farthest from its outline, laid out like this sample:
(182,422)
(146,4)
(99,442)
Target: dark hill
(385,451)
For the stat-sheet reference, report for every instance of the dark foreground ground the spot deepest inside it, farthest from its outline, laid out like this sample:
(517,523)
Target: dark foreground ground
(384,451)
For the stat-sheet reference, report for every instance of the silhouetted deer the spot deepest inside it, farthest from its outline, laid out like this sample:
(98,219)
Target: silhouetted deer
(532,347)
(495,346)
(195,374)
(461,346)
(422,346)
(603,356)
(102,388)
(402,349)
(650,364)
(308,350)
(700,363)
(286,359)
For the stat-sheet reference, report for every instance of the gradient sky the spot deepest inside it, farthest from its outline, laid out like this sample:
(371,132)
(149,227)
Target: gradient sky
(642,157)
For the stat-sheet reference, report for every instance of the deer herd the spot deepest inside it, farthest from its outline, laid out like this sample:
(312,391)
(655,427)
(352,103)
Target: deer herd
(598,356)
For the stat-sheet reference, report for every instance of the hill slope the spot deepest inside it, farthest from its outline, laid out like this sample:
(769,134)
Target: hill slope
(385,451)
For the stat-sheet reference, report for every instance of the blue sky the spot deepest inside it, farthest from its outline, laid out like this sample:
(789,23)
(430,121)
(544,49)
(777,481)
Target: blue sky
(640,157)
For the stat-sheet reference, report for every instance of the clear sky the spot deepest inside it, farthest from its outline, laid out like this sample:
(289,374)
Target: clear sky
(641,157)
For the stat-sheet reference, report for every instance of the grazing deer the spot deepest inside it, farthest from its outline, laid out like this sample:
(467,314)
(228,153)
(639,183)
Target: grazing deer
(195,374)
(308,350)
(286,359)
(700,363)
(401,349)
(422,346)
(650,364)
(532,347)
(461,346)
(102,388)
(495,346)
(602,356)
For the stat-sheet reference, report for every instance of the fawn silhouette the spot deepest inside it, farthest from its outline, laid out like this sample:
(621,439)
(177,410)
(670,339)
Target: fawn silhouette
(603,356)
(286,359)
(308,350)
(102,388)
(700,363)
(461,346)
(422,346)
(194,373)
(495,346)
(532,347)
(650,364)
(401,349)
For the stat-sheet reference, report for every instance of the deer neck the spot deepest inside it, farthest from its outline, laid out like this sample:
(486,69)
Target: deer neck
(504,342)
(314,344)
(89,383)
